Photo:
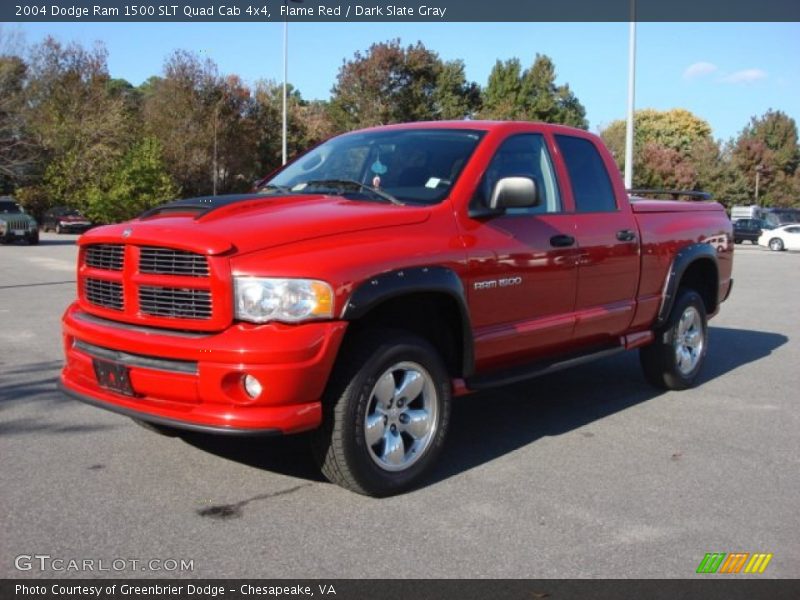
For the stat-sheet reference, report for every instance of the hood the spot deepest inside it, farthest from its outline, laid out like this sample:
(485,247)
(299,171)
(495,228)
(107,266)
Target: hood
(243,224)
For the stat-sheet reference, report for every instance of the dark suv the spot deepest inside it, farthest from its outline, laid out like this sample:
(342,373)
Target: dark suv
(749,229)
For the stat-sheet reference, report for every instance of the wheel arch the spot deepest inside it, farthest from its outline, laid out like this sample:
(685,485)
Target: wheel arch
(696,267)
(429,301)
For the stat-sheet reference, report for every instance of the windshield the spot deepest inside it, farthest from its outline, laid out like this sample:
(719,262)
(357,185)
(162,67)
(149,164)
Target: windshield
(416,166)
(8,206)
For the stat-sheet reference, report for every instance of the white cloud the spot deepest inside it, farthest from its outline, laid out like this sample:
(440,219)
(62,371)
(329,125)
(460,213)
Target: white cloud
(744,76)
(699,69)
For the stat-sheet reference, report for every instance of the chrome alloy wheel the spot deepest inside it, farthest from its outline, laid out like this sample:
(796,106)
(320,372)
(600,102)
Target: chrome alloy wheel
(689,340)
(401,417)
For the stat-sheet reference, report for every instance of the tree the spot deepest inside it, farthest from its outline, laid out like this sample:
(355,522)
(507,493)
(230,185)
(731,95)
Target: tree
(179,112)
(139,181)
(531,95)
(455,97)
(78,123)
(392,84)
(769,144)
(18,151)
(672,149)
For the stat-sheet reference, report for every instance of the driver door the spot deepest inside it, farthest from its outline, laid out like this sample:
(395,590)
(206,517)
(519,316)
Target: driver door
(522,263)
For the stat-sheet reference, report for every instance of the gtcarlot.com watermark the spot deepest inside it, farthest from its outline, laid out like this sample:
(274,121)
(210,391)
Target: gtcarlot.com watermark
(60,564)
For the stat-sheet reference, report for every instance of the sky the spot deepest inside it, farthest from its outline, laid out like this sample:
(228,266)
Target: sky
(723,72)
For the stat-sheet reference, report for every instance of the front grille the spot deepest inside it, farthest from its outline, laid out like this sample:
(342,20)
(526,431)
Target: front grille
(176,303)
(107,294)
(109,257)
(16,224)
(165,261)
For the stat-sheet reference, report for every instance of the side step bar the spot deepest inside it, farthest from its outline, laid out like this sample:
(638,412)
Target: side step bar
(517,374)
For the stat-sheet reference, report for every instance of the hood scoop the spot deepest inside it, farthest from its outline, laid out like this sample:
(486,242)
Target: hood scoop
(201,205)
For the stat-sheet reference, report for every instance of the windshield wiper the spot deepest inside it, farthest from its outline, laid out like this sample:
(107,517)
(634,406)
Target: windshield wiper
(341,183)
(272,187)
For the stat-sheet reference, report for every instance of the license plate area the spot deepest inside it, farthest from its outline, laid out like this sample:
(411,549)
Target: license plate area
(18,232)
(113,376)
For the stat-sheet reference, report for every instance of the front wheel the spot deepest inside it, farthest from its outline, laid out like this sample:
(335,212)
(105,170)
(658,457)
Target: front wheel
(776,244)
(386,414)
(33,237)
(674,360)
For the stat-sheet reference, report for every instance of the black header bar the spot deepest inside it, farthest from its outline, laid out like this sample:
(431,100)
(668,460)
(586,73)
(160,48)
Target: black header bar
(438,11)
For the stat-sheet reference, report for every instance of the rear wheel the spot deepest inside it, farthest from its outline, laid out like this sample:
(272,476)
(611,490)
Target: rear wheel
(776,244)
(674,360)
(386,414)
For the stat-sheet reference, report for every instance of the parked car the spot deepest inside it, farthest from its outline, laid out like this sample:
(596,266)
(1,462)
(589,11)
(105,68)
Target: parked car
(63,219)
(749,230)
(381,274)
(15,223)
(786,237)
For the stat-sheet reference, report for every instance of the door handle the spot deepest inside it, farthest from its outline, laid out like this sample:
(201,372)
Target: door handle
(562,241)
(626,235)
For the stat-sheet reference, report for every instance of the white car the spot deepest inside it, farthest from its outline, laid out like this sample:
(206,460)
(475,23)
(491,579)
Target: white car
(785,237)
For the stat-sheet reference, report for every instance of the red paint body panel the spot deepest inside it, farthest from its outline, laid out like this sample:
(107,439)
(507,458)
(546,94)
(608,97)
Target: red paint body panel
(600,289)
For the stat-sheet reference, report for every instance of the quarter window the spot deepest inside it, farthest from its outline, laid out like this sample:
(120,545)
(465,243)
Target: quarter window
(591,186)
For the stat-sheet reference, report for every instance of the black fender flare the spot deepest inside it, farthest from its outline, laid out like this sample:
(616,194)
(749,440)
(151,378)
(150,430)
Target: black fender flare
(393,284)
(686,256)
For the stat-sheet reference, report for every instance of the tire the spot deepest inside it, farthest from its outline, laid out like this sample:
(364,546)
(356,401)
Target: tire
(776,244)
(375,440)
(33,238)
(155,428)
(675,359)
(59,229)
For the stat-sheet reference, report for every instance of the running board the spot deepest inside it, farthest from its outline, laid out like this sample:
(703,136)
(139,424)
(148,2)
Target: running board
(517,374)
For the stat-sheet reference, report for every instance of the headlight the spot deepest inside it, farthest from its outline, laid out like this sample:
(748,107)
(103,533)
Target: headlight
(262,299)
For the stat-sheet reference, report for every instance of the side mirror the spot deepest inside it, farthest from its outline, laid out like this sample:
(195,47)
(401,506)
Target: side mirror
(514,192)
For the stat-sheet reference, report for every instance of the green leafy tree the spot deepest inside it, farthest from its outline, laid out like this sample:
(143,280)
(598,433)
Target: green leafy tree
(391,84)
(139,181)
(81,127)
(672,149)
(531,95)
(769,145)
(454,96)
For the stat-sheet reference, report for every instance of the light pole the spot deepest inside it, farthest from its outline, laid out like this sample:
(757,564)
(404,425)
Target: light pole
(631,96)
(284,144)
(759,170)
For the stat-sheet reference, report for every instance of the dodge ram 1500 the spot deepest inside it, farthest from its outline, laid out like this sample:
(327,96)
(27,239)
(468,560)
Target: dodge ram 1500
(379,275)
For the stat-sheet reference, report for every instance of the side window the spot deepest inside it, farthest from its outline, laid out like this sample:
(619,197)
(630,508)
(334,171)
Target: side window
(523,155)
(591,186)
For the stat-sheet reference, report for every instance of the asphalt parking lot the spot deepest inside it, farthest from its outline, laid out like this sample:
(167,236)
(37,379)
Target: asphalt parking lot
(584,473)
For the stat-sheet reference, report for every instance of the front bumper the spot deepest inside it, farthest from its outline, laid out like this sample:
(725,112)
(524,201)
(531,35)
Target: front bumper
(194,380)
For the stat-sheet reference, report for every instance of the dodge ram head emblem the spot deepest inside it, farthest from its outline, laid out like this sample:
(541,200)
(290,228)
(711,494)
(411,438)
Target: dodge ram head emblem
(127,233)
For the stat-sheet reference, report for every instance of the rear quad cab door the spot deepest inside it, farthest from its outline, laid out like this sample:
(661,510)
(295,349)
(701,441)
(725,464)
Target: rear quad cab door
(521,287)
(608,254)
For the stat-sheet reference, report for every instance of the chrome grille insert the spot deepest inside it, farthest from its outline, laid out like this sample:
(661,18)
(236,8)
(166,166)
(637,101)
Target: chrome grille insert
(176,303)
(166,261)
(107,294)
(109,257)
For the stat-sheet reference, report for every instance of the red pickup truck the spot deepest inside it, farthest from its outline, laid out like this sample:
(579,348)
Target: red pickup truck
(381,274)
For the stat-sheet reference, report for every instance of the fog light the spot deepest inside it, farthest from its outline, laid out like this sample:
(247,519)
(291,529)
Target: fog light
(252,386)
